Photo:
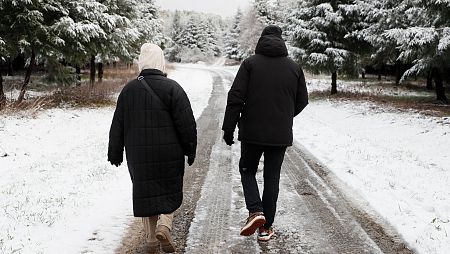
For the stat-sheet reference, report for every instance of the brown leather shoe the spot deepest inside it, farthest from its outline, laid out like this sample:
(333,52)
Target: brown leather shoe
(254,221)
(153,247)
(163,235)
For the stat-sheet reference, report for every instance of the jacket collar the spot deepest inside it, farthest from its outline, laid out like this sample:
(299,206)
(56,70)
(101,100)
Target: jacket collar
(150,72)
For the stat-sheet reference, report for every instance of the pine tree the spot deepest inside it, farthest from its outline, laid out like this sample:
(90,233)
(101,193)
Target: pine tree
(2,59)
(31,31)
(2,52)
(251,27)
(319,29)
(380,16)
(148,23)
(425,40)
(175,34)
(232,38)
(81,29)
(210,36)
(264,11)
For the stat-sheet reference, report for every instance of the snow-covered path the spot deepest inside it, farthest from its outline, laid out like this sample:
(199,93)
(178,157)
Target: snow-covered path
(312,217)
(57,191)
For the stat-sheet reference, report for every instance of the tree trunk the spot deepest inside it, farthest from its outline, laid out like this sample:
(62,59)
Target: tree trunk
(398,73)
(334,82)
(429,80)
(114,64)
(10,67)
(78,73)
(92,73)
(27,77)
(100,72)
(440,90)
(363,75)
(2,94)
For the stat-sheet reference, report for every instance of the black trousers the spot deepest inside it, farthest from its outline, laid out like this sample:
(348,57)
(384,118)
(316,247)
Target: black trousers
(248,166)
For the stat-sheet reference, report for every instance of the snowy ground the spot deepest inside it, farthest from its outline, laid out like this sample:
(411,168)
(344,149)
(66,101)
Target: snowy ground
(57,191)
(396,161)
(370,86)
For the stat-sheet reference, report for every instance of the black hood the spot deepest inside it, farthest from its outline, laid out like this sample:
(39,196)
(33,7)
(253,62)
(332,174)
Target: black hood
(271,45)
(272,30)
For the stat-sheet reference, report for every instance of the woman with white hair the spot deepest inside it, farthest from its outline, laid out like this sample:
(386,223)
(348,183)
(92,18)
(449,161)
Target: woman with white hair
(154,122)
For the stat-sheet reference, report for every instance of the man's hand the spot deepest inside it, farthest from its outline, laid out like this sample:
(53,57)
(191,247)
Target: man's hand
(191,160)
(228,137)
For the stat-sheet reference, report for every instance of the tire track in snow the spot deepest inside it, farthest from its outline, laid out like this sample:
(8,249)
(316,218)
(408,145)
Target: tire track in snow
(221,208)
(347,228)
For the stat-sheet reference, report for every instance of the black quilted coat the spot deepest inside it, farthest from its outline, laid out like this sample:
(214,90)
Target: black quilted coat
(268,92)
(156,139)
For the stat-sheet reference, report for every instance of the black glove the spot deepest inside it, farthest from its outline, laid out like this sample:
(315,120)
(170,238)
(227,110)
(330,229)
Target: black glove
(115,162)
(228,137)
(191,160)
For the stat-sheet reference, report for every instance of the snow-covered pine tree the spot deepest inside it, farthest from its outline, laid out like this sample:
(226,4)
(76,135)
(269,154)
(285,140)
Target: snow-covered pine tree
(357,16)
(232,47)
(265,11)
(177,28)
(251,27)
(31,31)
(202,35)
(425,42)
(123,36)
(378,17)
(148,23)
(212,38)
(194,36)
(2,53)
(175,34)
(189,35)
(81,30)
(318,29)
(2,56)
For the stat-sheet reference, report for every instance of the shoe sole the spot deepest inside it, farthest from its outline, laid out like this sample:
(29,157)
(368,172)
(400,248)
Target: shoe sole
(166,245)
(265,238)
(253,225)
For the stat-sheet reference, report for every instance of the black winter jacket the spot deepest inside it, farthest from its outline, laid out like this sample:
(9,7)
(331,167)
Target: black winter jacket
(156,139)
(268,92)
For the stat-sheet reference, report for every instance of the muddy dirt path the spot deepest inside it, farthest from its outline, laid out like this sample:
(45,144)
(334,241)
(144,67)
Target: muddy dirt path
(313,216)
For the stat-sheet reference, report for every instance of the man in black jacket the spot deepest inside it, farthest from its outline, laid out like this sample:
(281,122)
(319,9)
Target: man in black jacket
(268,92)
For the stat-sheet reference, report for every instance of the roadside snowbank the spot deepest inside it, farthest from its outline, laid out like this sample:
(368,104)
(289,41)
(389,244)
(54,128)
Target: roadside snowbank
(321,83)
(396,161)
(57,191)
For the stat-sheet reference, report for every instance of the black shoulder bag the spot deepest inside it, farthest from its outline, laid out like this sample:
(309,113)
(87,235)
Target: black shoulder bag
(152,92)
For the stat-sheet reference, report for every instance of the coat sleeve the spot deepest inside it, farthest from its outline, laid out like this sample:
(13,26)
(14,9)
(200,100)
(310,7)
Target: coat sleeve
(236,98)
(116,133)
(184,122)
(301,99)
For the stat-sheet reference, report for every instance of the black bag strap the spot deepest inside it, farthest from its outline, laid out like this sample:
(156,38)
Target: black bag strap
(151,91)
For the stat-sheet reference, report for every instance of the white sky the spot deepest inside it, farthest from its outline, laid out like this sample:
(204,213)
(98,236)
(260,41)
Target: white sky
(221,7)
